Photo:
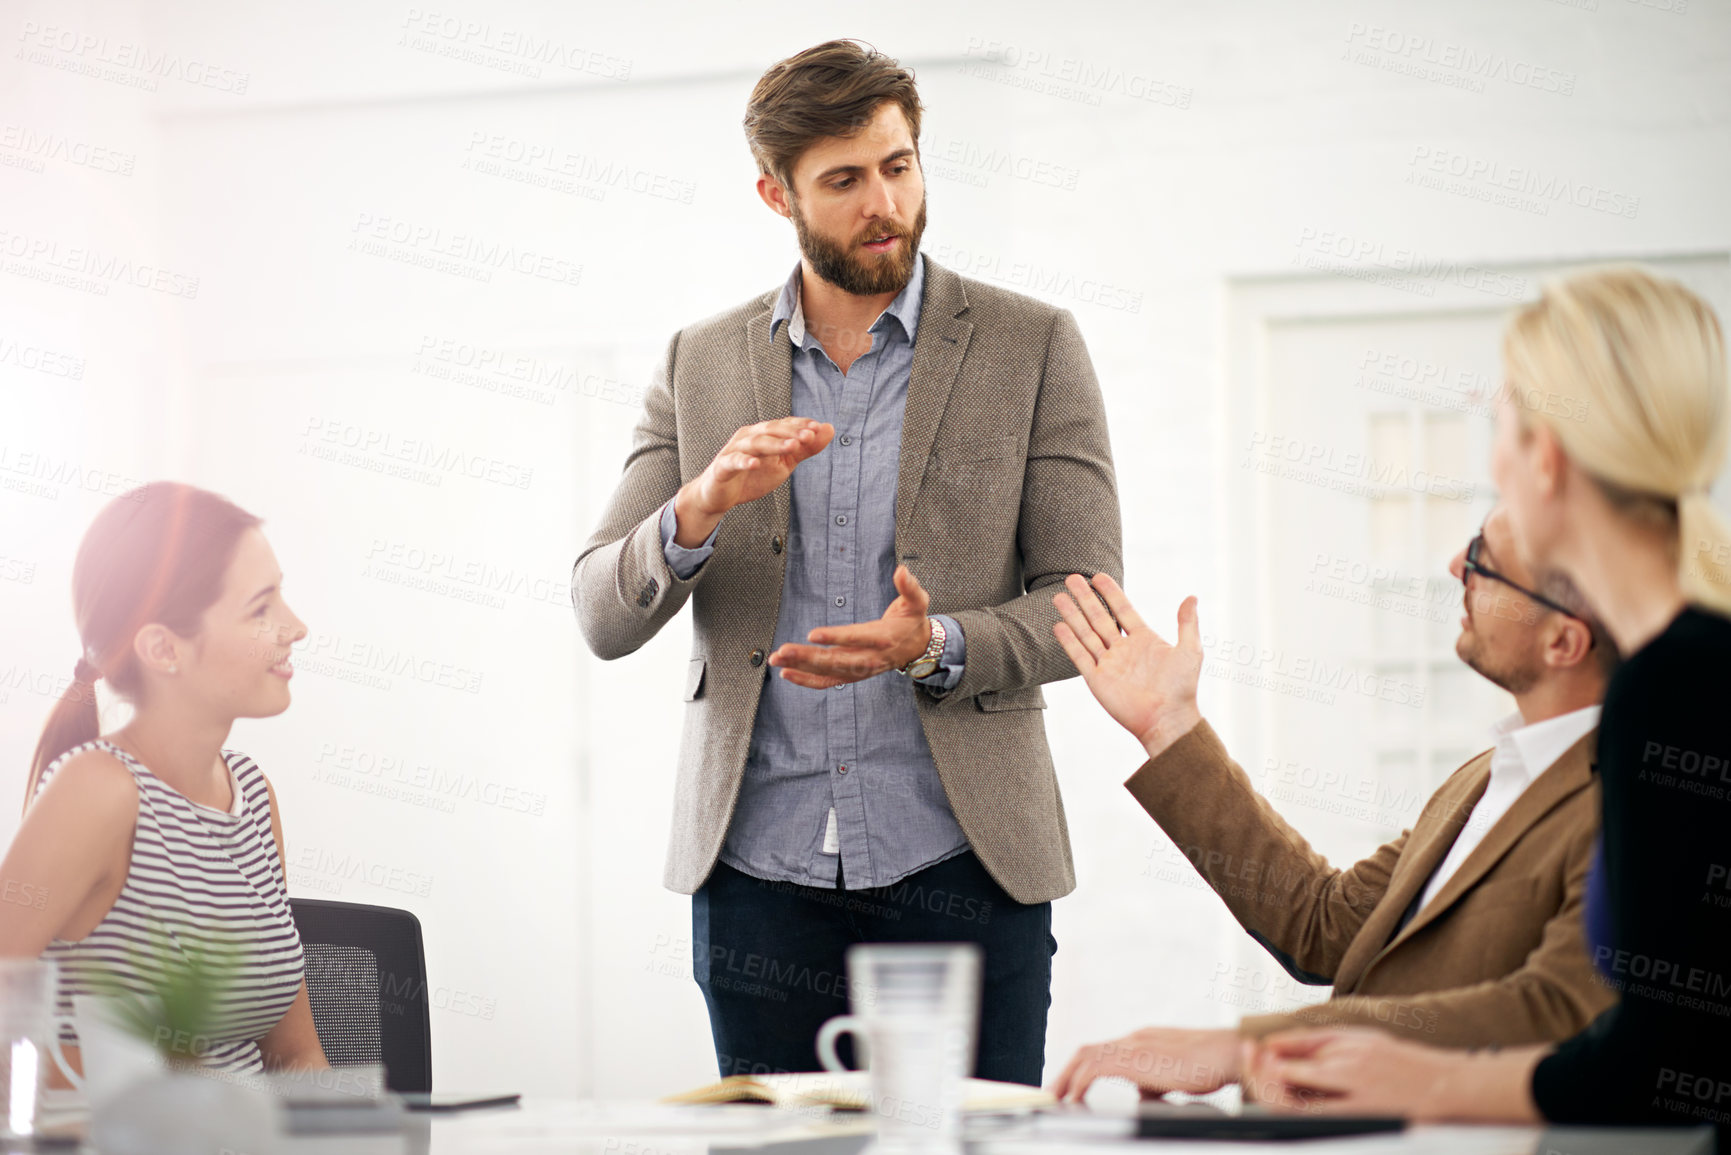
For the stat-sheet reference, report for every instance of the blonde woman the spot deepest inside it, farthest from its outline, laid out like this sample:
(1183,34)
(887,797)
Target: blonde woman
(1618,502)
(155,845)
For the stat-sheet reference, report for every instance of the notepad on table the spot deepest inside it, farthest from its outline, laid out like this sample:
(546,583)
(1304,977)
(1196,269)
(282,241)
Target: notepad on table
(851,1091)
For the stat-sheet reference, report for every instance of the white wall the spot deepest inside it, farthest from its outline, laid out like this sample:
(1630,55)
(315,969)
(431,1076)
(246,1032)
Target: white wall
(1186,145)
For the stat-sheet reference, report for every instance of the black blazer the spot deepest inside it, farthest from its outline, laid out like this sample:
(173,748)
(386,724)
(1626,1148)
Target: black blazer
(1663,1053)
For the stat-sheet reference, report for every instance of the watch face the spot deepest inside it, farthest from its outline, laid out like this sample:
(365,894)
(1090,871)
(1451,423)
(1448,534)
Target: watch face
(924,668)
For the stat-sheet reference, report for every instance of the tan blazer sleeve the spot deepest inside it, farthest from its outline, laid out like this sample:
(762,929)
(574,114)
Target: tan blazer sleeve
(1282,891)
(1068,524)
(621,586)
(1553,995)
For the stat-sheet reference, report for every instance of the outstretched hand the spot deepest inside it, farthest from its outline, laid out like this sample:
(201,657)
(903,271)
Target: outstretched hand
(1147,685)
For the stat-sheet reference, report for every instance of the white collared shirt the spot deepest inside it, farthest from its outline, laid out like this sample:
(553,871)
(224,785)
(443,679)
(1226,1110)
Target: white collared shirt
(1522,753)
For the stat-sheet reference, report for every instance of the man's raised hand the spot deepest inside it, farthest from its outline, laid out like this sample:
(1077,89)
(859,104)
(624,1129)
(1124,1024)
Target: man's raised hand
(754,462)
(1146,684)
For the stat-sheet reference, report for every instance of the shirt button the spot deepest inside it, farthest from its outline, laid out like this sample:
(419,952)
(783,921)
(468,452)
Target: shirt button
(841,519)
(757,657)
(847,441)
(841,769)
(841,601)
(775,544)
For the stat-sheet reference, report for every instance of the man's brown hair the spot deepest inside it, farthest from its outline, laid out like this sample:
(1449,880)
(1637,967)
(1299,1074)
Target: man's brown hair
(830,90)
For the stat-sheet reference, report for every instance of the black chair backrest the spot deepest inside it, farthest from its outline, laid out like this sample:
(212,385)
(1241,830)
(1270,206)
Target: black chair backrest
(367,981)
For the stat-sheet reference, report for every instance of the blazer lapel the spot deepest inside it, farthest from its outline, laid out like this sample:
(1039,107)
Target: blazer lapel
(1566,776)
(1427,845)
(771,383)
(938,349)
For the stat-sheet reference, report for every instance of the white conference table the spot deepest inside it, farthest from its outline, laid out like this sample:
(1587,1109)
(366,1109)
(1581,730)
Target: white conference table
(540,1126)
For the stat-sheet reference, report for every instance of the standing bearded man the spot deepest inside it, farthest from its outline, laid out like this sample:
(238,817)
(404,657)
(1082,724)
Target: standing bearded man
(863,480)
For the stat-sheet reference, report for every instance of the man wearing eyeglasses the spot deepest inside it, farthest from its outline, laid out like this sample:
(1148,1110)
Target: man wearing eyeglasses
(1464,931)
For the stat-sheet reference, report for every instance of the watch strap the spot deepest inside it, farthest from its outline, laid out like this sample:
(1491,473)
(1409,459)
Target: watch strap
(933,651)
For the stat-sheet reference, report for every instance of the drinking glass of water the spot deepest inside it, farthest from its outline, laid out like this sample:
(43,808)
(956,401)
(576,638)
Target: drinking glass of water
(27,1041)
(915,1009)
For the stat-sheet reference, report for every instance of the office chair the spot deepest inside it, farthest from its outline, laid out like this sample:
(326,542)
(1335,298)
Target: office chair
(367,981)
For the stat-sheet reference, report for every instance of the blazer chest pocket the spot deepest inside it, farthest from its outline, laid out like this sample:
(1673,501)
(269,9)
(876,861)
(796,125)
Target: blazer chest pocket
(1502,893)
(1498,923)
(1027,698)
(694,679)
(966,464)
(987,449)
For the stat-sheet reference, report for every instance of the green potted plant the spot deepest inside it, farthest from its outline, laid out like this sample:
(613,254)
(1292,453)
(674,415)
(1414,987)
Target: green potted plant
(184,1106)
(178,1016)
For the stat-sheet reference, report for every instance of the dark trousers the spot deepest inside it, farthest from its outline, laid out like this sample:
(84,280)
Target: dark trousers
(768,957)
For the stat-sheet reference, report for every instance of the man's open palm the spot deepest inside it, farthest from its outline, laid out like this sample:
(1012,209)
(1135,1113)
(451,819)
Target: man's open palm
(1146,684)
(838,655)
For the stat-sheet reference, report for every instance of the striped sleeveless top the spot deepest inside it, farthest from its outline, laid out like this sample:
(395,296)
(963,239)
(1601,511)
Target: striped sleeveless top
(200,878)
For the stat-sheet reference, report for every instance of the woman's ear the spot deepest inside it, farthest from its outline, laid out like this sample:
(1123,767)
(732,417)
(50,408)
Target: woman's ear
(157,649)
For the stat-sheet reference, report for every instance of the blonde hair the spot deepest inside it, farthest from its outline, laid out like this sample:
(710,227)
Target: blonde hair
(1627,369)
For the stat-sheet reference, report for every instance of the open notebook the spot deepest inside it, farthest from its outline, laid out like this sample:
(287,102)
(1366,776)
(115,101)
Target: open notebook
(849,1091)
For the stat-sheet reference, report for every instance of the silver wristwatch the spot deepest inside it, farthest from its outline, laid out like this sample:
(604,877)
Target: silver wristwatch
(926,664)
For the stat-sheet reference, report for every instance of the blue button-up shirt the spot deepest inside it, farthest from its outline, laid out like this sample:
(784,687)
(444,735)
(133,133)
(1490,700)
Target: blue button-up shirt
(844,774)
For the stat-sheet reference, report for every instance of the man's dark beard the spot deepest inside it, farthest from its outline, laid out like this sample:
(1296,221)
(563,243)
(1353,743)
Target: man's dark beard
(836,263)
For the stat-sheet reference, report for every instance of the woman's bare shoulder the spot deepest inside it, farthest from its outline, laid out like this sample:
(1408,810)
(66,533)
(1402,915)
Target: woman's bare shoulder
(92,782)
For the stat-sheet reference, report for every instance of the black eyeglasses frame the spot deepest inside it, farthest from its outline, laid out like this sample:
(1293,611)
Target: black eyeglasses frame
(1472,565)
